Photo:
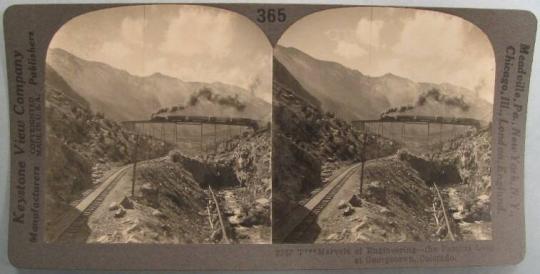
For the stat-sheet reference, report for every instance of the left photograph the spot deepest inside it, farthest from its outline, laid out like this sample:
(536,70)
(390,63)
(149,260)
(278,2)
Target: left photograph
(158,128)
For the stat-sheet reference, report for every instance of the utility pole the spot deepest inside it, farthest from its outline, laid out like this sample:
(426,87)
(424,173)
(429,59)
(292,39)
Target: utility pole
(162,131)
(134,176)
(402,132)
(202,138)
(364,146)
(175,133)
(440,135)
(428,143)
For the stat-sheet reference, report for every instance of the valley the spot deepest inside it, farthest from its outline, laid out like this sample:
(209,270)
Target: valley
(112,182)
(376,159)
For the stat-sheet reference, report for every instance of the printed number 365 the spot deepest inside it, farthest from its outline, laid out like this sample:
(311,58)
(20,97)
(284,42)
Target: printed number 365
(271,15)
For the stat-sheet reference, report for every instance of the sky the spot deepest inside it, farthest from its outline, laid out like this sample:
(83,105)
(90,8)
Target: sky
(192,43)
(424,46)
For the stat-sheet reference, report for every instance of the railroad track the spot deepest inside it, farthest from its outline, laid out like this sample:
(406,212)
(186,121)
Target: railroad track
(87,192)
(445,215)
(81,220)
(300,229)
(226,238)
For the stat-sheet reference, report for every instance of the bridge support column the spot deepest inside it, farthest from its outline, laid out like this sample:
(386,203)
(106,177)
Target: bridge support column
(402,132)
(202,139)
(428,139)
(162,132)
(175,133)
(440,135)
(134,175)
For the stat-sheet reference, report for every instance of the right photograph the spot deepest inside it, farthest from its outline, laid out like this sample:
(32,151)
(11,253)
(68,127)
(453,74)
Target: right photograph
(382,128)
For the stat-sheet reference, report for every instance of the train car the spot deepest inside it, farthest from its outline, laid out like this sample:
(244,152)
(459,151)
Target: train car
(388,118)
(157,117)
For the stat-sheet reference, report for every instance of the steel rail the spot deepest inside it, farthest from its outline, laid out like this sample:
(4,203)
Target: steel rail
(220,217)
(75,226)
(444,213)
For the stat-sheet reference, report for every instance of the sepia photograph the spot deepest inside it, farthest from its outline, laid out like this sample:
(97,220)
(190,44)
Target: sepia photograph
(158,128)
(382,128)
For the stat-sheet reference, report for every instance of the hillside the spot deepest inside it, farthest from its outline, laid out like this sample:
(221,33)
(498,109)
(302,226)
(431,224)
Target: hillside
(81,145)
(309,145)
(123,96)
(353,95)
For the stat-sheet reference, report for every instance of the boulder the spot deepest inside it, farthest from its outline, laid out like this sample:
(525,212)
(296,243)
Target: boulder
(342,204)
(235,220)
(158,213)
(120,212)
(126,203)
(348,211)
(113,206)
(332,237)
(355,201)
(385,211)
(376,192)
(263,202)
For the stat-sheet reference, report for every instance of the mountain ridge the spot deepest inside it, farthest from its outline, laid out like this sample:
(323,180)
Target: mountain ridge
(355,95)
(121,95)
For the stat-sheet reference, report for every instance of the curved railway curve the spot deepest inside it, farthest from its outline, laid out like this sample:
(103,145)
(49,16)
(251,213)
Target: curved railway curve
(73,223)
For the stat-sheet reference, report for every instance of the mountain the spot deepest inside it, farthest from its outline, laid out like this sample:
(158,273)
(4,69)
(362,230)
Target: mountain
(353,95)
(123,96)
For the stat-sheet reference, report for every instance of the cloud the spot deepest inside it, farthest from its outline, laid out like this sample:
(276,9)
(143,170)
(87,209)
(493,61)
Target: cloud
(192,43)
(198,31)
(424,46)
(350,50)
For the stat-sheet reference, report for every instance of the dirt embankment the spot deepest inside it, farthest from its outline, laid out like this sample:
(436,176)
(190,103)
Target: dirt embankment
(309,144)
(393,207)
(463,173)
(173,203)
(470,200)
(82,145)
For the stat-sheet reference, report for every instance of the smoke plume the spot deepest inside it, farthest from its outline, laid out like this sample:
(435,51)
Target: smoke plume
(432,95)
(209,95)
(437,96)
(254,85)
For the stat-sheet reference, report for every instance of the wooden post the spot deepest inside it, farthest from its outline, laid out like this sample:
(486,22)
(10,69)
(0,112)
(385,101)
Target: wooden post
(229,135)
(175,133)
(402,132)
(215,138)
(134,175)
(428,143)
(440,135)
(382,129)
(162,131)
(202,138)
(364,147)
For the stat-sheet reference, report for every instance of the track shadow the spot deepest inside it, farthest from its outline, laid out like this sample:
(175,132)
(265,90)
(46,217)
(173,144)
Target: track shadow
(77,232)
(298,226)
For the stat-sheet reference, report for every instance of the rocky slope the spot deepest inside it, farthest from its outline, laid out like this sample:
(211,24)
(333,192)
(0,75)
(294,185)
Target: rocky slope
(122,96)
(395,206)
(81,145)
(247,203)
(400,203)
(309,143)
(353,95)
(469,201)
